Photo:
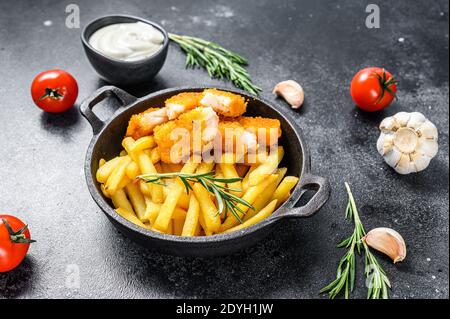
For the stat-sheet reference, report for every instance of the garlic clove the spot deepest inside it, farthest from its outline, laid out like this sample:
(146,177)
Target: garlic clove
(404,165)
(427,147)
(416,119)
(388,124)
(385,143)
(428,130)
(291,91)
(402,118)
(420,161)
(393,157)
(387,241)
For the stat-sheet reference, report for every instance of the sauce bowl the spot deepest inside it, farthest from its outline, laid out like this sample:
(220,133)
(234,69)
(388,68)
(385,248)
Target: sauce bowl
(106,143)
(120,72)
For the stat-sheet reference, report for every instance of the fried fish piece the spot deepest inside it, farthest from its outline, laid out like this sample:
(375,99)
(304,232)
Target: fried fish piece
(181,103)
(262,127)
(177,139)
(235,138)
(224,103)
(142,124)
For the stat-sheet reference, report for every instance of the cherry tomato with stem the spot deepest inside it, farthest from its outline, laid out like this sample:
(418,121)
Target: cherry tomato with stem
(373,89)
(54,91)
(14,242)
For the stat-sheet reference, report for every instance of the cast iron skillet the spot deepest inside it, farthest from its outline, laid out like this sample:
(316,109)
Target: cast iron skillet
(106,143)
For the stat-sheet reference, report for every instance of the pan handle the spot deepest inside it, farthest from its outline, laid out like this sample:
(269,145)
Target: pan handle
(308,182)
(102,93)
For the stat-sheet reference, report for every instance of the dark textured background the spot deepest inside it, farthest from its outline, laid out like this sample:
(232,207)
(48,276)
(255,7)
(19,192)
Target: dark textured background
(321,44)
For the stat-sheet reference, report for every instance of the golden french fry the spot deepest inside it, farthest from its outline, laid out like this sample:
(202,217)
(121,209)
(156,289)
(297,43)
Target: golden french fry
(117,175)
(132,170)
(169,230)
(266,195)
(130,216)
(205,167)
(178,226)
(191,223)
(105,193)
(127,144)
(123,153)
(145,188)
(146,166)
(266,168)
(229,171)
(264,213)
(249,196)
(179,213)
(245,184)
(101,162)
(202,223)
(158,168)
(183,201)
(207,207)
(124,182)
(136,199)
(155,155)
(120,199)
(282,192)
(151,210)
(173,195)
(106,169)
(143,143)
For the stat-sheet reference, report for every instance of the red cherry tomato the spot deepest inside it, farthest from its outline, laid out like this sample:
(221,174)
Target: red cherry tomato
(54,91)
(373,89)
(14,242)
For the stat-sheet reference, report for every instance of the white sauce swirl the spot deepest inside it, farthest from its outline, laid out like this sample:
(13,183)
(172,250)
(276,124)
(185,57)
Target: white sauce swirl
(127,41)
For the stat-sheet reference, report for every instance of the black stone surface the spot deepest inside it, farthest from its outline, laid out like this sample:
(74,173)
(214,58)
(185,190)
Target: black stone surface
(321,44)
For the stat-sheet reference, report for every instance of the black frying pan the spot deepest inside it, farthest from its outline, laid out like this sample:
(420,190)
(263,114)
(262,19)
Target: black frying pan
(106,143)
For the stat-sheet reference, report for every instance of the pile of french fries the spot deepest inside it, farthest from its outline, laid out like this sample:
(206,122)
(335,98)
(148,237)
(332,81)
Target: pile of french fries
(171,209)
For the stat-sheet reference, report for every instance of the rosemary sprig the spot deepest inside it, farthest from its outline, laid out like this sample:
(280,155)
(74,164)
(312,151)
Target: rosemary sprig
(377,281)
(218,61)
(226,201)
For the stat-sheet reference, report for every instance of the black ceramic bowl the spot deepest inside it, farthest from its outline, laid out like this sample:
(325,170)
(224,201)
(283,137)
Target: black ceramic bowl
(106,143)
(123,72)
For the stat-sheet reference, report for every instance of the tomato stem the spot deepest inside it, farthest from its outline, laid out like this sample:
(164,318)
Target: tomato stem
(17,237)
(51,93)
(385,85)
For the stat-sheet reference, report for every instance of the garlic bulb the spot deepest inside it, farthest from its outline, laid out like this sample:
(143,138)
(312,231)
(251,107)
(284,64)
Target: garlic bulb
(291,91)
(408,142)
(388,241)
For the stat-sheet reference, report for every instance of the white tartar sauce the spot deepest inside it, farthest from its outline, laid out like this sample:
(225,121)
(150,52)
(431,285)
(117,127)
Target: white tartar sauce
(127,41)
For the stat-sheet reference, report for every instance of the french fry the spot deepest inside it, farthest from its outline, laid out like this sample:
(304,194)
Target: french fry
(146,166)
(169,230)
(250,197)
(145,188)
(266,168)
(229,171)
(178,226)
(123,153)
(151,210)
(143,143)
(266,195)
(117,175)
(127,144)
(106,169)
(283,190)
(207,207)
(136,199)
(120,199)
(205,167)
(124,182)
(155,155)
(132,170)
(179,213)
(191,223)
(101,162)
(245,184)
(183,201)
(264,213)
(158,168)
(105,193)
(203,227)
(173,195)
(130,216)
